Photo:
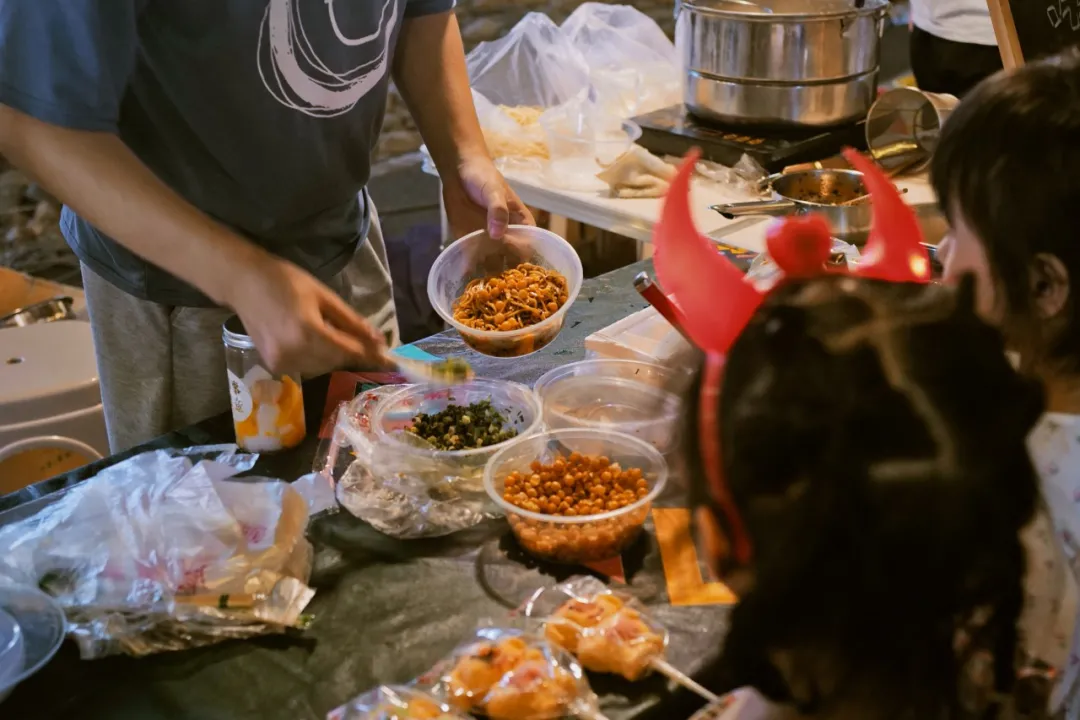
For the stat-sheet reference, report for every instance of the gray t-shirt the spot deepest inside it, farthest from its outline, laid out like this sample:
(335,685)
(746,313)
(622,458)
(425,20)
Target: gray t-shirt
(262,113)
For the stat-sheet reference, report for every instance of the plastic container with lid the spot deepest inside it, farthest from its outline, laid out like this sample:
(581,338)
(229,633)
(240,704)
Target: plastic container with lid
(580,538)
(581,143)
(32,628)
(267,409)
(479,256)
(628,396)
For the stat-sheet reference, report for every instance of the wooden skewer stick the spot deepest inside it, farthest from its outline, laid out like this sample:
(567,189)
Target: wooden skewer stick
(663,667)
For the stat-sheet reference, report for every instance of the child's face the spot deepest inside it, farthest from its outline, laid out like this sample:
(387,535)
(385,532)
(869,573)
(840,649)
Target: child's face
(962,252)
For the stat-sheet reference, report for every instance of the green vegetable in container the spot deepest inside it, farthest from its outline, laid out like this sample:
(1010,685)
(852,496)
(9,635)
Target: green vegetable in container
(463,427)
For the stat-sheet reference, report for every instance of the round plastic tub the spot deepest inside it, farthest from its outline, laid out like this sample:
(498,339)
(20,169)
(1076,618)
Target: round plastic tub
(581,145)
(586,538)
(478,256)
(627,396)
(32,628)
(516,402)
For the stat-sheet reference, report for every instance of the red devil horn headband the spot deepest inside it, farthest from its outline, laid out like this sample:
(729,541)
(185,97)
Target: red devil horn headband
(714,296)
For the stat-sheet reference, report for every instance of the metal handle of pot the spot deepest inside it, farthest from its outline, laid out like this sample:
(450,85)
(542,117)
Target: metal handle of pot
(755,207)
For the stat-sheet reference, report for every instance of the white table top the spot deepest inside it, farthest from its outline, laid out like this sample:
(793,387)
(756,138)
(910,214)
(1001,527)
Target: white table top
(634,218)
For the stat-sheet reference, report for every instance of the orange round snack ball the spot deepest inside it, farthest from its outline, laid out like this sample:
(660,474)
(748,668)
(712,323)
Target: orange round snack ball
(575,486)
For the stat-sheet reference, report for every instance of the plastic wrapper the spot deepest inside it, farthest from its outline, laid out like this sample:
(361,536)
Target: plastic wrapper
(396,703)
(515,78)
(509,674)
(745,176)
(633,67)
(164,552)
(406,489)
(764,273)
(608,632)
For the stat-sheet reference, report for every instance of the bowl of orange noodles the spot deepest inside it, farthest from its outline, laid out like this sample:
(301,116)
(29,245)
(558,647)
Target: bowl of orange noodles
(506,297)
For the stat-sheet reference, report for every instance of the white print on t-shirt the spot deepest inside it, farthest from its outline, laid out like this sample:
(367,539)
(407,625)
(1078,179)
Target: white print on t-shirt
(300,80)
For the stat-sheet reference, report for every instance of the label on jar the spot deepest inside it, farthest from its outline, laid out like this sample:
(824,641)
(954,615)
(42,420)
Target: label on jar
(241,398)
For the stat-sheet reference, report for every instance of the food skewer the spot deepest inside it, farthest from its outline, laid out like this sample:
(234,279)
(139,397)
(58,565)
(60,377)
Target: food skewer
(607,635)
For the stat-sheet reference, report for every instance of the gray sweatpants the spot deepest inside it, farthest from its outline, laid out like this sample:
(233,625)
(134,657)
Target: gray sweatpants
(162,368)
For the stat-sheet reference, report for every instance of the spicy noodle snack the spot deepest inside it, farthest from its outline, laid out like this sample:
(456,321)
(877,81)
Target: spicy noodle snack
(476,259)
(514,299)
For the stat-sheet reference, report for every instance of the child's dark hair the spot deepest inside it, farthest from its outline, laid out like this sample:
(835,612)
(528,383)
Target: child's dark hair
(1008,164)
(873,439)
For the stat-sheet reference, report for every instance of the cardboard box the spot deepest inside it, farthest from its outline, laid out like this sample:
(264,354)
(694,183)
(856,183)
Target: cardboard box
(18,290)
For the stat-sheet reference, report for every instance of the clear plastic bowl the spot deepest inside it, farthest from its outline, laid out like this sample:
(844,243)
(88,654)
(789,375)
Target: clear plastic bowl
(581,144)
(587,538)
(32,628)
(479,256)
(514,401)
(628,396)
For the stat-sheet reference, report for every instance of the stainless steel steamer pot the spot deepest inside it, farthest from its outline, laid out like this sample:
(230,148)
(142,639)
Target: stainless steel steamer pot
(804,63)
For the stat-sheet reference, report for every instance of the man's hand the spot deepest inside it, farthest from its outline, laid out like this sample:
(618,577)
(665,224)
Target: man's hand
(480,198)
(298,324)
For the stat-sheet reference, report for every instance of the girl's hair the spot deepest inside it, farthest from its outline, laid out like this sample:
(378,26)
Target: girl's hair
(873,439)
(1007,164)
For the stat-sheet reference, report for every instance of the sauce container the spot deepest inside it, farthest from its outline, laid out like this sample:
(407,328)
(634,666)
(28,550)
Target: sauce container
(267,409)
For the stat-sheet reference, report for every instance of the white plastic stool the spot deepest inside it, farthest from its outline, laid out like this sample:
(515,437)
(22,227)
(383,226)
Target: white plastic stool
(49,396)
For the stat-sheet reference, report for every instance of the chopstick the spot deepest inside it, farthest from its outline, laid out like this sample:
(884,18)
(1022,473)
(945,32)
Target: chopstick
(652,295)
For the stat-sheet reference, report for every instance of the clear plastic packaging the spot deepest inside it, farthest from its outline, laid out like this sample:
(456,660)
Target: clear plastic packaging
(515,78)
(267,409)
(164,551)
(608,632)
(623,395)
(403,486)
(395,702)
(582,141)
(633,65)
(579,538)
(479,256)
(509,674)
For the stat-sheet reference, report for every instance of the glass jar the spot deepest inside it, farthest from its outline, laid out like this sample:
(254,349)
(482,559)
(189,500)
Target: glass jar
(267,409)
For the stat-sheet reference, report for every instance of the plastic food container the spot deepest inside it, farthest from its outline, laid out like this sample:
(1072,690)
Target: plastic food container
(628,396)
(479,256)
(32,629)
(586,538)
(581,144)
(267,409)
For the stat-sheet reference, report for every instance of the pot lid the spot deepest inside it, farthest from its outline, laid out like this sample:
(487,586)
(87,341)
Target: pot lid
(46,369)
(766,9)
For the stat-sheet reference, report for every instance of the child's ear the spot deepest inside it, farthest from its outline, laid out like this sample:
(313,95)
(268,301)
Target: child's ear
(1049,286)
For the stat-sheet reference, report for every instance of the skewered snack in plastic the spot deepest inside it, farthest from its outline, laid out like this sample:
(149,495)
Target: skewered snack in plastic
(509,675)
(395,703)
(515,299)
(607,635)
(607,632)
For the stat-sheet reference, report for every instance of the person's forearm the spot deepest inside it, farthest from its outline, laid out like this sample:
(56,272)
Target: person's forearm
(99,177)
(429,70)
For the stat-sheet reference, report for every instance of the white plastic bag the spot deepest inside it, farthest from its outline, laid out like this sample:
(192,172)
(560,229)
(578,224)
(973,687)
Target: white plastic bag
(144,556)
(632,64)
(516,78)
(534,65)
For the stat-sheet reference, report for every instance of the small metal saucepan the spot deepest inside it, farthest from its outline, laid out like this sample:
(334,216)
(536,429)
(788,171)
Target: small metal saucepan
(840,196)
(57,308)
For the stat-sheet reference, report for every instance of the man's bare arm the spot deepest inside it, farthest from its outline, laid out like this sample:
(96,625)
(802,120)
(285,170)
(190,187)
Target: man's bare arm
(103,181)
(298,324)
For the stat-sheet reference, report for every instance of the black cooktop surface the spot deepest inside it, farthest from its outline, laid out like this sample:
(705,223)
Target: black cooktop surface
(673,131)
